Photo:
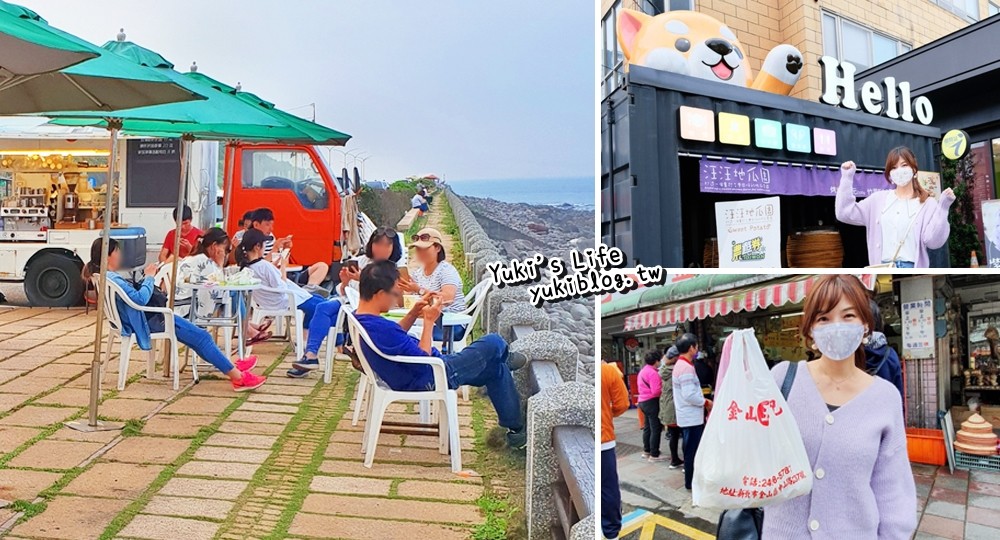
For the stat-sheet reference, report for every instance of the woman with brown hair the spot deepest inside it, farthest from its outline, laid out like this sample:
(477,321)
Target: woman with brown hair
(902,225)
(852,427)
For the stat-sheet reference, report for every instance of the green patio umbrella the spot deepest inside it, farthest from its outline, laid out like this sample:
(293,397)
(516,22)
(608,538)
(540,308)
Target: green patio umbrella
(26,49)
(106,82)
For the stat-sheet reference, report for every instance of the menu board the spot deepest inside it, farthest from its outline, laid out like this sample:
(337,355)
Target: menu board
(152,172)
(749,233)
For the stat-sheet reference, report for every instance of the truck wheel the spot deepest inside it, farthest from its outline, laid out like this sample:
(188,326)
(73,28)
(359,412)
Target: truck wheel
(53,280)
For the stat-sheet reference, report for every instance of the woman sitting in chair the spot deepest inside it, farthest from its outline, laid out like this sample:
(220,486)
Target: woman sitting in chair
(318,313)
(206,264)
(143,324)
(437,276)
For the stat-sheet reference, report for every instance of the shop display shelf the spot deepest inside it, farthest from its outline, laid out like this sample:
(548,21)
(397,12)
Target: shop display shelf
(973,462)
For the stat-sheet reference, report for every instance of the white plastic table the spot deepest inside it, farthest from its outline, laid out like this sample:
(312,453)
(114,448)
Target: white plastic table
(229,319)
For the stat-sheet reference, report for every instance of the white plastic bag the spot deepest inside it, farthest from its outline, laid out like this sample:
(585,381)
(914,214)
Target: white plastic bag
(751,453)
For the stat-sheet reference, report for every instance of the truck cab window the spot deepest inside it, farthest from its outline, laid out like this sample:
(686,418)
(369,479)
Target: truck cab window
(292,170)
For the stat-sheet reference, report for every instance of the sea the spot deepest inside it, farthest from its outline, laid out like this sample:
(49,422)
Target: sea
(576,192)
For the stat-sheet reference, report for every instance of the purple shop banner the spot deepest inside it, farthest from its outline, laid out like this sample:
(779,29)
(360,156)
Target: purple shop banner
(741,177)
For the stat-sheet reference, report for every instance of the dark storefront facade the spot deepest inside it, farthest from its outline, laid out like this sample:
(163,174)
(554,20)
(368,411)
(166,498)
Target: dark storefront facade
(652,203)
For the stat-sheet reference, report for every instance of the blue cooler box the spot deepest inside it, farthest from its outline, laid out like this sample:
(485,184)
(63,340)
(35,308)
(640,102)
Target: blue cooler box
(132,242)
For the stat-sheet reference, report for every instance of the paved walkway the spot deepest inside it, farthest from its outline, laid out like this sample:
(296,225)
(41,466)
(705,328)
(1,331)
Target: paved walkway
(955,506)
(204,463)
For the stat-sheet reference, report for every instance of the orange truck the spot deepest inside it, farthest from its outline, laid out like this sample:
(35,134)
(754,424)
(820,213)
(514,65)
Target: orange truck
(295,182)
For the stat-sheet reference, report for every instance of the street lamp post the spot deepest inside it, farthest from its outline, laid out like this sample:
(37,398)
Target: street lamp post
(346,153)
(362,160)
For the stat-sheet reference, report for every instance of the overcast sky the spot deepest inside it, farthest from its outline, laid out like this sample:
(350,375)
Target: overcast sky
(459,88)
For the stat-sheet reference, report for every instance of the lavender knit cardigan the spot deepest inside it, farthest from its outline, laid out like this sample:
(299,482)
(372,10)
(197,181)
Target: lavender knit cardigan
(863,486)
(931,225)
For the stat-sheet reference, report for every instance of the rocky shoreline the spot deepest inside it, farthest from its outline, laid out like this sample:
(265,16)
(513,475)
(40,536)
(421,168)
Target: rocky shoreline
(519,230)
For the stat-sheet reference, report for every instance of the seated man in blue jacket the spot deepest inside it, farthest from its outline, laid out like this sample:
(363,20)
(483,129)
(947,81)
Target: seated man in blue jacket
(485,362)
(882,359)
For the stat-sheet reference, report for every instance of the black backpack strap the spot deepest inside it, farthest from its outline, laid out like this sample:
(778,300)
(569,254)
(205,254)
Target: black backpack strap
(786,385)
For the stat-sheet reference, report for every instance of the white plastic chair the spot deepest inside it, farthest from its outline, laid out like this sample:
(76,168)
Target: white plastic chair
(112,292)
(382,396)
(474,303)
(291,311)
(331,345)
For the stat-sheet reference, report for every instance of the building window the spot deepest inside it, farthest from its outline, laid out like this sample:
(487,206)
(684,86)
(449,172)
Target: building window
(967,9)
(613,60)
(992,9)
(861,46)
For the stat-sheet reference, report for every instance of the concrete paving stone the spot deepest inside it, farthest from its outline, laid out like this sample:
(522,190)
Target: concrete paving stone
(84,359)
(47,454)
(9,401)
(345,423)
(354,437)
(72,518)
(983,516)
(945,509)
(248,428)
(951,482)
(30,385)
(984,501)
(8,374)
(394,470)
(60,371)
(67,434)
(974,531)
(13,436)
(206,489)
(925,536)
(185,507)
(169,528)
(984,477)
(317,526)
(379,508)
(274,398)
(70,397)
(176,425)
(439,490)
(148,390)
(235,455)
(114,480)
(923,490)
(33,416)
(215,469)
(984,488)
(148,450)
(128,409)
(943,527)
(350,485)
(254,416)
(391,453)
(424,441)
(284,389)
(262,442)
(211,387)
(20,344)
(20,484)
(199,405)
(268,407)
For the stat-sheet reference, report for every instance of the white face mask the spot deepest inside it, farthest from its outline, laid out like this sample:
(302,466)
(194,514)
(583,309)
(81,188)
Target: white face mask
(901,176)
(838,341)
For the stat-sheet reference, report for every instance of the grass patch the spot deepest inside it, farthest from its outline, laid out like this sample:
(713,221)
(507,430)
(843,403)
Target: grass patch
(418,223)
(133,427)
(28,508)
(503,473)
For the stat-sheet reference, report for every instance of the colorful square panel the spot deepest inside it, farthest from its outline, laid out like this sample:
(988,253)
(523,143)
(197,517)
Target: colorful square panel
(697,124)
(798,138)
(825,141)
(767,133)
(734,129)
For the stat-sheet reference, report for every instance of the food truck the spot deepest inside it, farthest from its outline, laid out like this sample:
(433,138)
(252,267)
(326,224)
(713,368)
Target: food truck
(53,183)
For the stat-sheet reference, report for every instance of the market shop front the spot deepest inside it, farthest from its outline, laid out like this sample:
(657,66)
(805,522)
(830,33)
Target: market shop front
(674,146)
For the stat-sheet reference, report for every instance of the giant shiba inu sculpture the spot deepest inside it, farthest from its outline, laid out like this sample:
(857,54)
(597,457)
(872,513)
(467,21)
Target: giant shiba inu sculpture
(695,44)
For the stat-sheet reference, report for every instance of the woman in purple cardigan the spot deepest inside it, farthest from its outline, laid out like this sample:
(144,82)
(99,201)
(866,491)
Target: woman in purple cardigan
(902,224)
(852,427)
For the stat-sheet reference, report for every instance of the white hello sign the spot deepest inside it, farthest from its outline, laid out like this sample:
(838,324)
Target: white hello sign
(891,99)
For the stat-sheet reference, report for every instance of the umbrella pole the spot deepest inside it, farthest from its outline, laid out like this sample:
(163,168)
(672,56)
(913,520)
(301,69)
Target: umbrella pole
(181,195)
(92,423)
